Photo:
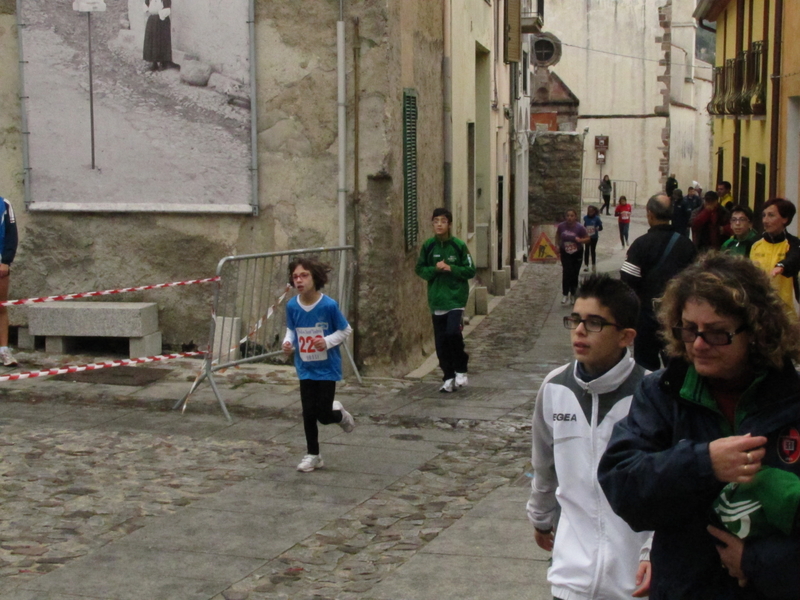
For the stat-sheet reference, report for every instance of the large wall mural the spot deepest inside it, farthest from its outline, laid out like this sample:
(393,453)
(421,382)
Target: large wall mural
(164,122)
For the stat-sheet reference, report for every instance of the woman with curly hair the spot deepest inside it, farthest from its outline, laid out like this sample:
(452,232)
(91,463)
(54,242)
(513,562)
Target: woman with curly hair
(722,420)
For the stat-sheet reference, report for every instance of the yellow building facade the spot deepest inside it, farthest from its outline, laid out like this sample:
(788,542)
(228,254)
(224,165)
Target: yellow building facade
(789,92)
(756,100)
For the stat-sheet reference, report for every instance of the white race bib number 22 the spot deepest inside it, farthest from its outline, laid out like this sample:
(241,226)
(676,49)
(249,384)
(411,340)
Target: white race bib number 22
(305,344)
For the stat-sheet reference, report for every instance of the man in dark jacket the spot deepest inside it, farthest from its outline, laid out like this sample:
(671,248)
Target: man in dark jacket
(445,263)
(681,212)
(652,260)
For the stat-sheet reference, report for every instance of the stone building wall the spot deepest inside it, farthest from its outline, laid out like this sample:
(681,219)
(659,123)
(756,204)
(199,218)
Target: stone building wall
(554,183)
(297,159)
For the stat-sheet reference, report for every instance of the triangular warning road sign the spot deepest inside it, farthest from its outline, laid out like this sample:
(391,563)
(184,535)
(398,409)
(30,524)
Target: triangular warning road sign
(543,250)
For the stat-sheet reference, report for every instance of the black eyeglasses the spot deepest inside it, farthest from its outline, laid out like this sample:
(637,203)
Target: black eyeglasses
(593,324)
(712,338)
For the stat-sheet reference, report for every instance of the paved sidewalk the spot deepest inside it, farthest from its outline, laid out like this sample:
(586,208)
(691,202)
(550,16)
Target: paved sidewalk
(106,495)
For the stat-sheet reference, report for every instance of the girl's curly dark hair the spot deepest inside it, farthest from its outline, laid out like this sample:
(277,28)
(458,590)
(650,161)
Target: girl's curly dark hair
(318,269)
(737,288)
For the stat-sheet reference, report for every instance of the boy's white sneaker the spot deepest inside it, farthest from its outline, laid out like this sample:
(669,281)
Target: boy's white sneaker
(348,423)
(563,299)
(8,358)
(461,379)
(448,386)
(310,462)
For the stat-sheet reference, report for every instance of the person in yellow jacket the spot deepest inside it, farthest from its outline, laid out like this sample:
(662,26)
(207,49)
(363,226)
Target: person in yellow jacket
(778,252)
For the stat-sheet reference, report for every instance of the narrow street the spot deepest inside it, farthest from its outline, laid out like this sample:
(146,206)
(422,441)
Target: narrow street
(107,494)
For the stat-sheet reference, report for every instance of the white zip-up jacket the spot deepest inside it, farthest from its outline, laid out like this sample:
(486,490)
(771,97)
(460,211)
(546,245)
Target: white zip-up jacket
(596,554)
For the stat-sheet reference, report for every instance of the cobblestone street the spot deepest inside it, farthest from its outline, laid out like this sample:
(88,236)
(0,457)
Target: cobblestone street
(104,494)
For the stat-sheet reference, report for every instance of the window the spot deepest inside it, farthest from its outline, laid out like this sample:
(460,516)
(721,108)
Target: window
(744,181)
(760,193)
(410,207)
(525,68)
(471,177)
(546,50)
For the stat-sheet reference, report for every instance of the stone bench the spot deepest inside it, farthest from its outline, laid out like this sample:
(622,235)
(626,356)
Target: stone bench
(58,321)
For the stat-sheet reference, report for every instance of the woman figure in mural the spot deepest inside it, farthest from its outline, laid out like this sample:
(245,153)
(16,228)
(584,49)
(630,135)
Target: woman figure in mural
(593,225)
(158,35)
(605,190)
(570,237)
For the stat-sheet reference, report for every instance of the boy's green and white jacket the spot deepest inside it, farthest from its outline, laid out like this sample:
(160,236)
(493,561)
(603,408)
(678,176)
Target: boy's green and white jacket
(447,290)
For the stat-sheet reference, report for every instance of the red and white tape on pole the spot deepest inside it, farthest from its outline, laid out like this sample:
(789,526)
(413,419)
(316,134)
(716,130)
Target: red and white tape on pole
(95,366)
(108,292)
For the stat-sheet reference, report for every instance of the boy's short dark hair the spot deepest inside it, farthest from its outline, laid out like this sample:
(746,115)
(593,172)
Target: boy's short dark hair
(616,295)
(318,269)
(442,212)
(711,196)
(742,209)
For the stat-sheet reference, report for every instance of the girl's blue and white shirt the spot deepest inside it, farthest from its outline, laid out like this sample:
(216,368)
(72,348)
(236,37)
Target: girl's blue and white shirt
(304,324)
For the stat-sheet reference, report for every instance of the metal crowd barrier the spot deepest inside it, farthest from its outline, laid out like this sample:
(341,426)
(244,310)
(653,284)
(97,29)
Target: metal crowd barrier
(248,321)
(620,187)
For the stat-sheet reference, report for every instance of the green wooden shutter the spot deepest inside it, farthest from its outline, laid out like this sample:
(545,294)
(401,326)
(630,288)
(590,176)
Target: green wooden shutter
(410,206)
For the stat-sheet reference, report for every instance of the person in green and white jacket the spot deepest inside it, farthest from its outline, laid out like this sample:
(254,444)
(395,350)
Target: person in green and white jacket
(445,263)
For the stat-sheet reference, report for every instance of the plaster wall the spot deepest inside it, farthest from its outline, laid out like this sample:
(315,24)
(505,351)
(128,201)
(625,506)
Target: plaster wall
(690,153)
(481,95)
(754,132)
(297,159)
(471,35)
(609,55)
(610,62)
(613,60)
(500,215)
(633,156)
(522,120)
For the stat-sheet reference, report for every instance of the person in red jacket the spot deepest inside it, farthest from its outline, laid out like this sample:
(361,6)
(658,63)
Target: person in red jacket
(710,226)
(623,214)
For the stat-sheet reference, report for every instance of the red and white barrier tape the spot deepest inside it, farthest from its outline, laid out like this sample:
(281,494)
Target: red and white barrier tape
(95,366)
(108,292)
(270,311)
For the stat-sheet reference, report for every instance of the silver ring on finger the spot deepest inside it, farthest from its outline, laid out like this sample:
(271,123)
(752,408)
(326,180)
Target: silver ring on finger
(749,459)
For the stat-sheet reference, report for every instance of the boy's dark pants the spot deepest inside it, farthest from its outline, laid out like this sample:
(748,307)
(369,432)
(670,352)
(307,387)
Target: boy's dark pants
(571,272)
(316,396)
(450,343)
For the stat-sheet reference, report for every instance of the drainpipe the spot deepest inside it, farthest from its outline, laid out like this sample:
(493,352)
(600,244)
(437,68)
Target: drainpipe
(447,86)
(356,179)
(26,165)
(342,103)
(701,24)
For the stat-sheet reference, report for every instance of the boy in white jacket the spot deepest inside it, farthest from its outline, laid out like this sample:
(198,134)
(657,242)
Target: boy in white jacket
(595,553)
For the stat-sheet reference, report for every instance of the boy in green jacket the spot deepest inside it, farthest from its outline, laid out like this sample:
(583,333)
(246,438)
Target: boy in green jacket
(445,263)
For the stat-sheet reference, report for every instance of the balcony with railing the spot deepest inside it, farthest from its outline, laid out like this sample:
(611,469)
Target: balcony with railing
(532,16)
(739,85)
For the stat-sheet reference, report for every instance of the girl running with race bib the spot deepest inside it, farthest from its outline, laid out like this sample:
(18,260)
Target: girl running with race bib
(315,327)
